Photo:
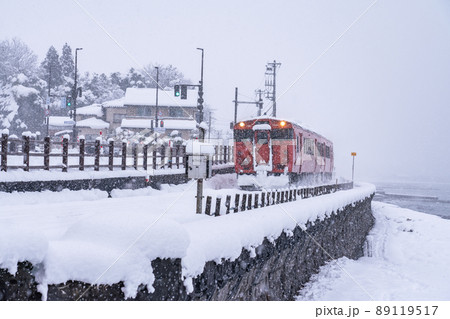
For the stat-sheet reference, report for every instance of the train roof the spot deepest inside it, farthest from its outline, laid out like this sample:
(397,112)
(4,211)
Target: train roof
(303,126)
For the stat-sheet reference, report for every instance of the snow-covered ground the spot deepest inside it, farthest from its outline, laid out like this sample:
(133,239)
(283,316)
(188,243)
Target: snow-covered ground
(85,236)
(407,258)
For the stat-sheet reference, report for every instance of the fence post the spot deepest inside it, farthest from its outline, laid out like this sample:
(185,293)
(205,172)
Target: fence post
(256,200)
(47,153)
(236,203)
(225,154)
(244,202)
(162,151)
(208,206)
(97,156)
(124,155)
(135,159)
(170,157)
(4,163)
(144,154)
(154,157)
(111,155)
(65,154)
(177,155)
(227,203)
(217,212)
(81,158)
(249,202)
(273,197)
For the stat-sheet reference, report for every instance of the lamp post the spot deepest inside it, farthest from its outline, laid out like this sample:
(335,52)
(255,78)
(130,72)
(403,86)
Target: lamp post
(353,166)
(200,100)
(74,96)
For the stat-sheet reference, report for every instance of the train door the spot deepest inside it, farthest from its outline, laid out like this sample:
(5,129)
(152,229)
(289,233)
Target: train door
(262,154)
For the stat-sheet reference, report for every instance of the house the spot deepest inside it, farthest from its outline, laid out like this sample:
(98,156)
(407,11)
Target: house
(137,112)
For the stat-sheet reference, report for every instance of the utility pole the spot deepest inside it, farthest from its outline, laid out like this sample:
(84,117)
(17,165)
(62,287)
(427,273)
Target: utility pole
(74,97)
(209,127)
(201,137)
(236,103)
(47,111)
(260,102)
(157,85)
(271,84)
(200,101)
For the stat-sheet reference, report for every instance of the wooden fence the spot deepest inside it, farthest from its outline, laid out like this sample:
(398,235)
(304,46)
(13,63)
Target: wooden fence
(253,200)
(28,154)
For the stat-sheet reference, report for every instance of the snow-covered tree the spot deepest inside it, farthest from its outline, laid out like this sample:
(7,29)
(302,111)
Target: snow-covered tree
(51,68)
(67,63)
(20,88)
(15,58)
(168,76)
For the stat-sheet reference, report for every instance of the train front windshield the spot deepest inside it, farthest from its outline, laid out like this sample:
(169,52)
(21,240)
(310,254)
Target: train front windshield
(243,135)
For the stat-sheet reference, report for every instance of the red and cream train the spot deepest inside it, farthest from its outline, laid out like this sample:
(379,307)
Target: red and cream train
(276,152)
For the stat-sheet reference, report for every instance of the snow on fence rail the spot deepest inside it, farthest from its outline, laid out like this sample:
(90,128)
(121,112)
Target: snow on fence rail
(254,200)
(27,153)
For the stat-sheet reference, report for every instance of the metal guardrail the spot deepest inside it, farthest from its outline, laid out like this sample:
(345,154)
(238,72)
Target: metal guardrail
(254,200)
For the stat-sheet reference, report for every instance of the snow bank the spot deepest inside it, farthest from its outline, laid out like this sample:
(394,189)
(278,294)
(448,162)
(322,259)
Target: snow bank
(104,241)
(407,258)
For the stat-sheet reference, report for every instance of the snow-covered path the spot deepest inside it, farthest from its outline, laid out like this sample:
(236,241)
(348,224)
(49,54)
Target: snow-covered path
(408,258)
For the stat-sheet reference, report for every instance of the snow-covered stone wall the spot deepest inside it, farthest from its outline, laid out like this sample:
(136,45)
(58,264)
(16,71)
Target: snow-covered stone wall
(276,269)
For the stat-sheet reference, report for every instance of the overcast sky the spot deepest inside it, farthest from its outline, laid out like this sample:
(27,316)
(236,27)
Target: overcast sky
(383,89)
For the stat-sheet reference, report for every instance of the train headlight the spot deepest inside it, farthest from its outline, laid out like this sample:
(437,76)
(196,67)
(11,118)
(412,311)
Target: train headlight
(282,123)
(241,124)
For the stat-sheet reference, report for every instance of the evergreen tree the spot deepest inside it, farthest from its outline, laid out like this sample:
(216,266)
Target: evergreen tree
(67,62)
(51,65)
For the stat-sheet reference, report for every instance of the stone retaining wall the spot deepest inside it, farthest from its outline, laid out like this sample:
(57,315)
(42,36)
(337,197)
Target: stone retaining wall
(277,272)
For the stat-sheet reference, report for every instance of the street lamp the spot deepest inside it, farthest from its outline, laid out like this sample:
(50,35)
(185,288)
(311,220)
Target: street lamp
(74,96)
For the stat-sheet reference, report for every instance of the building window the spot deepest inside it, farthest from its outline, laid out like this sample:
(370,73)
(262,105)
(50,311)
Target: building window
(143,111)
(118,118)
(176,112)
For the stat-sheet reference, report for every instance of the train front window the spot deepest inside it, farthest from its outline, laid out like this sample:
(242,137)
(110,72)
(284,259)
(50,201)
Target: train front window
(243,135)
(262,137)
(282,134)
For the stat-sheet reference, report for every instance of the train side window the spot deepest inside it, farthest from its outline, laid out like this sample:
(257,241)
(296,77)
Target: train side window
(327,152)
(308,146)
(298,144)
(243,135)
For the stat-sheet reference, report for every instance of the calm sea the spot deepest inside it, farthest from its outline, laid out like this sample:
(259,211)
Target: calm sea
(425,197)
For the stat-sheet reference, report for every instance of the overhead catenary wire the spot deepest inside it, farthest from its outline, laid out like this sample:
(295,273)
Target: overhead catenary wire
(323,53)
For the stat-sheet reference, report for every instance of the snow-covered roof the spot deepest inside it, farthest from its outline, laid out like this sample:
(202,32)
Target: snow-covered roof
(114,103)
(93,123)
(94,109)
(60,121)
(168,124)
(147,96)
